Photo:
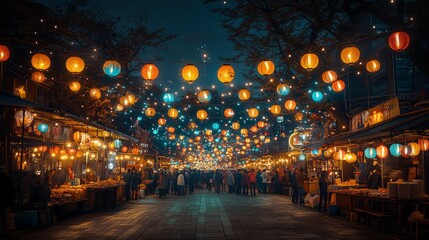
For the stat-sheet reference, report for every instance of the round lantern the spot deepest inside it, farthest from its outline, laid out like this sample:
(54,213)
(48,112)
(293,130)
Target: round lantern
(71,151)
(43,128)
(40,61)
(253,112)
(173,113)
(117,143)
(171,129)
(350,55)
(162,121)
(202,114)
(266,68)
(74,86)
(215,126)
(119,107)
(149,72)
(244,131)
(424,144)
(395,149)
(192,125)
(315,152)
(382,151)
(23,116)
(95,93)
(190,73)
(112,68)
(204,96)
(75,64)
(226,73)
(328,152)
(405,151)
(261,124)
(124,149)
(415,149)
(350,157)
(254,129)
(338,85)
(373,66)
(309,61)
(399,41)
(228,113)
(317,96)
(283,89)
(77,136)
(302,157)
(329,76)
(276,109)
(244,94)
(150,112)
(4,53)
(235,125)
(131,98)
(340,155)
(168,97)
(290,105)
(370,153)
(38,77)
(135,150)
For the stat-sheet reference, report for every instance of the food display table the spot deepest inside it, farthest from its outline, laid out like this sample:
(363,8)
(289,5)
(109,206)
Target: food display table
(102,197)
(59,211)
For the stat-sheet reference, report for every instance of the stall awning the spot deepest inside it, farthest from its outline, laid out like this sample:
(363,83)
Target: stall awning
(412,124)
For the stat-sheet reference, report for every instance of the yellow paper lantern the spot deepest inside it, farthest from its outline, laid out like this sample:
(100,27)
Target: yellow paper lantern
(150,112)
(244,94)
(208,132)
(373,66)
(276,109)
(309,61)
(244,131)
(350,157)
(149,72)
(40,61)
(74,86)
(228,113)
(226,73)
(172,113)
(235,125)
(190,73)
(38,77)
(131,98)
(290,105)
(162,121)
(202,114)
(415,149)
(329,76)
(119,107)
(253,112)
(266,68)
(95,93)
(350,55)
(75,64)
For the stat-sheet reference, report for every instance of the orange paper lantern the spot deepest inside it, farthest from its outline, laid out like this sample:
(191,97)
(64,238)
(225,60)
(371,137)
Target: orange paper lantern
(382,151)
(309,61)
(290,105)
(338,85)
(149,72)
(373,66)
(253,112)
(276,109)
(162,121)
(38,77)
(424,144)
(228,112)
(202,114)
(74,86)
(266,68)
(75,64)
(350,55)
(190,73)
(4,53)
(226,73)
(150,112)
(244,94)
(329,76)
(173,113)
(40,61)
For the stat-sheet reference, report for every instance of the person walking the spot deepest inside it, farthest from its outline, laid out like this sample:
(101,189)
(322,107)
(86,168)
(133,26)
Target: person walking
(251,176)
(259,181)
(231,182)
(300,182)
(192,177)
(238,183)
(180,183)
(127,179)
(135,182)
(264,177)
(245,183)
(218,178)
(294,186)
(323,185)
(162,182)
(6,200)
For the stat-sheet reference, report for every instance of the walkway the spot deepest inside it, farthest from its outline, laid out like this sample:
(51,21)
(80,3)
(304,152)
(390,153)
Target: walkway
(207,215)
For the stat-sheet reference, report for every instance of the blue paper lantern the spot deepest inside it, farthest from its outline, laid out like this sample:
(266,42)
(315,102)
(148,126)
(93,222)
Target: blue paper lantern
(395,149)
(280,119)
(215,126)
(283,89)
(43,128)
(117,143)
(204,96)
(168,97)
(112,68)
(196,132)
(370,153)
(155,131)
(317,96)
(301,157)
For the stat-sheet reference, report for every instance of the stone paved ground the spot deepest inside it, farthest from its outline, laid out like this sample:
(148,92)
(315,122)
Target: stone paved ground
(207,215)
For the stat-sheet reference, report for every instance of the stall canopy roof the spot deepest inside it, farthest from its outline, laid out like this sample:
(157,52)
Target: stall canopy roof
(52,114)
(406,126)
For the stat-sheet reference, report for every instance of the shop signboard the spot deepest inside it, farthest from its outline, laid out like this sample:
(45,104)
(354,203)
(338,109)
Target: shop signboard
(377,114)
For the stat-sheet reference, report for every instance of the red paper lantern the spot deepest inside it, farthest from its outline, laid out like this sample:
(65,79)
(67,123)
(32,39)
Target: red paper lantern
(382,151)
(399,41)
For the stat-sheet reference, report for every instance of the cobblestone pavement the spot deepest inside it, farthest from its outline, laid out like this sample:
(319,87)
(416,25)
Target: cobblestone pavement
(210,216)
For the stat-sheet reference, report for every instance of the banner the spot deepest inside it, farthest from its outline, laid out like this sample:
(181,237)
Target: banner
(377,114)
